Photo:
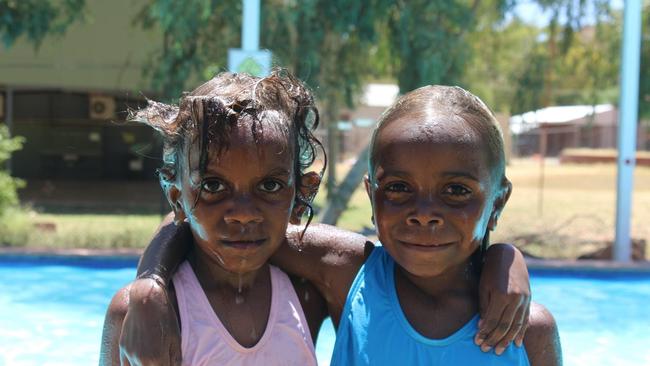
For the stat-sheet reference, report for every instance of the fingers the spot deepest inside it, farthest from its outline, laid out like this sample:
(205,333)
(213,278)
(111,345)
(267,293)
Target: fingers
(502,325)
(495,325)
(515,328)
(519,338)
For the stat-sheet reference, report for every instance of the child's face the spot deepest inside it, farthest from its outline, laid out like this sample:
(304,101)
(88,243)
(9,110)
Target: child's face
(241,216)
(431,193)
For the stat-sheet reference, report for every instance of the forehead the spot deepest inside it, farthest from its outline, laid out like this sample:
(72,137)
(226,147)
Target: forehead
(265,141)
(430,144)
(434,128)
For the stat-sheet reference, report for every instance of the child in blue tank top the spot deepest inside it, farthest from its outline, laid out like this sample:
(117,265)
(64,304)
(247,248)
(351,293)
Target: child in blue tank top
(437,184)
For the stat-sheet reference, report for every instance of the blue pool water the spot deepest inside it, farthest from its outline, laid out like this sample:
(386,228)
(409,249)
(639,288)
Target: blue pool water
(53,310)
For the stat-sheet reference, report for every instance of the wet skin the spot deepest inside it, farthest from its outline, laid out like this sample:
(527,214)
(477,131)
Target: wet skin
(239,220)
(242,213)
(433,200)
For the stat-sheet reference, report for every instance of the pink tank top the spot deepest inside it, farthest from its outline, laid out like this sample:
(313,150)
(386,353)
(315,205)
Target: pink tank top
(205,341)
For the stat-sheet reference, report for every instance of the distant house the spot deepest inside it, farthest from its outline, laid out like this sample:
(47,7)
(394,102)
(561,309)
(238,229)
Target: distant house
(548,130)
(356,125)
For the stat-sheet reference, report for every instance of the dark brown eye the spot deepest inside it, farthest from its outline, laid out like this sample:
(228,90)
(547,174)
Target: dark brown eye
(457,191)
(212,186)
(397,187)
(270,186)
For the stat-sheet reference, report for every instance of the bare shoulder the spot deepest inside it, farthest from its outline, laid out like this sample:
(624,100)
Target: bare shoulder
(115,314)
(119,303)
(542,340)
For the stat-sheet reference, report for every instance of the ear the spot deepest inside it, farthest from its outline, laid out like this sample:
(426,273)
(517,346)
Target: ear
(307,189)
(168,183)
(499,203)
(367,184)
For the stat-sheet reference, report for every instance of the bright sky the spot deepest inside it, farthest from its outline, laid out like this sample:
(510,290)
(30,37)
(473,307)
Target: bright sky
(531,13)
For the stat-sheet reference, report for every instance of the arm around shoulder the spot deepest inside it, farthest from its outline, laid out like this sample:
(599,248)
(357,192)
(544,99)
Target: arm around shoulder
(327,256)
(542,340)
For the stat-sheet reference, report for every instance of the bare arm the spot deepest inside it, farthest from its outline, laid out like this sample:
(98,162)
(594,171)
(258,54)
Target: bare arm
(166,251)
(504,295)
(326,256)
(542,340)
(148,332)
(110,350)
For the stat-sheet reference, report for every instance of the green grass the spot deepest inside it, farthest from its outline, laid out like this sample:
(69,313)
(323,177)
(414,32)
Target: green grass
(577,215)
(79,231)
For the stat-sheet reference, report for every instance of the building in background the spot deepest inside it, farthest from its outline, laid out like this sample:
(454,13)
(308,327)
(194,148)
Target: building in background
(548,131)
(69,99)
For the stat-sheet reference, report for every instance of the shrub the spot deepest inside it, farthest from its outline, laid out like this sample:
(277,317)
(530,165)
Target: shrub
(8,184)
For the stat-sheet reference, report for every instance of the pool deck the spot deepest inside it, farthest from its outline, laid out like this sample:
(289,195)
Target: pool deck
(533,263)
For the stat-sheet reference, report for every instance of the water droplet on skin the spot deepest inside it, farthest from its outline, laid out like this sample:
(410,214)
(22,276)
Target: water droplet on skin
(239,298)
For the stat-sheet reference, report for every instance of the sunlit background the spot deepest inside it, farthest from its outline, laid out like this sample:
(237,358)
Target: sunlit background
(74,174)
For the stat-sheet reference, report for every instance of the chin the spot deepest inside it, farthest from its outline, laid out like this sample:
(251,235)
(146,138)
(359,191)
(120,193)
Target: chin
(246,263)
(424,270)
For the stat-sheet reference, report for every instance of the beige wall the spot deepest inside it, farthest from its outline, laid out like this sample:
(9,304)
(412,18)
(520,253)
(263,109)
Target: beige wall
(104,52)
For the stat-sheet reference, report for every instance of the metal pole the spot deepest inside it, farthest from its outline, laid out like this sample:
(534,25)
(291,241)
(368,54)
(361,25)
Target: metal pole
(250,25)
(627,127)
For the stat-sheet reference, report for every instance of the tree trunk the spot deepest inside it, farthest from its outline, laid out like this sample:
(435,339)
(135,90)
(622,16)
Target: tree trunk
(332,151)
(338,201)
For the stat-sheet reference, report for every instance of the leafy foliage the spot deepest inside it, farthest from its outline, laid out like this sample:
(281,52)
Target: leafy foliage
(8,184)
(518,67)
(37,19)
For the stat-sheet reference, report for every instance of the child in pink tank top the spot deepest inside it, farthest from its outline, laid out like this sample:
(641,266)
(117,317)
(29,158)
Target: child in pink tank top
(235,154)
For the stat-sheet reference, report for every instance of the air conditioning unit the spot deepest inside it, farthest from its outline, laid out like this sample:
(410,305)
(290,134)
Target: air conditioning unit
(2,107)
(101,107)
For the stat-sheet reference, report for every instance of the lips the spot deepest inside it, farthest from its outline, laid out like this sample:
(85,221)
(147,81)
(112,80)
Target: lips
(429,247)
(243,243)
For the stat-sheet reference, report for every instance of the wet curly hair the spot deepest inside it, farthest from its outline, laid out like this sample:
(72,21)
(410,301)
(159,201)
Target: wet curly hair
(206,116)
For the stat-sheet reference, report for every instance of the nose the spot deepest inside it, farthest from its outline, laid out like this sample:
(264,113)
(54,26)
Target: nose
(243,211)
(425,214)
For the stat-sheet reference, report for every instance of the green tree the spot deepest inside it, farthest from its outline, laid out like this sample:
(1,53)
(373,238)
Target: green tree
(571,62)
(37,19)
(8,184)
(429,39)
(501,54)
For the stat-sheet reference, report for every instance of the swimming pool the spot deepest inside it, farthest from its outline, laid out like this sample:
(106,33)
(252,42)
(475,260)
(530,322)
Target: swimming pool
(53,311)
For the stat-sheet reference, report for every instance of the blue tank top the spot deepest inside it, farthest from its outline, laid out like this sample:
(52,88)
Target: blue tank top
(374,330)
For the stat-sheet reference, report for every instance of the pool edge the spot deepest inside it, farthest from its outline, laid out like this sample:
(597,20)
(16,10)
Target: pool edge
(533,263)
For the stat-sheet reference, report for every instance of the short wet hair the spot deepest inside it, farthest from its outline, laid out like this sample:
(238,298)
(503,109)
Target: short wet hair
(207,115)
(455,102)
